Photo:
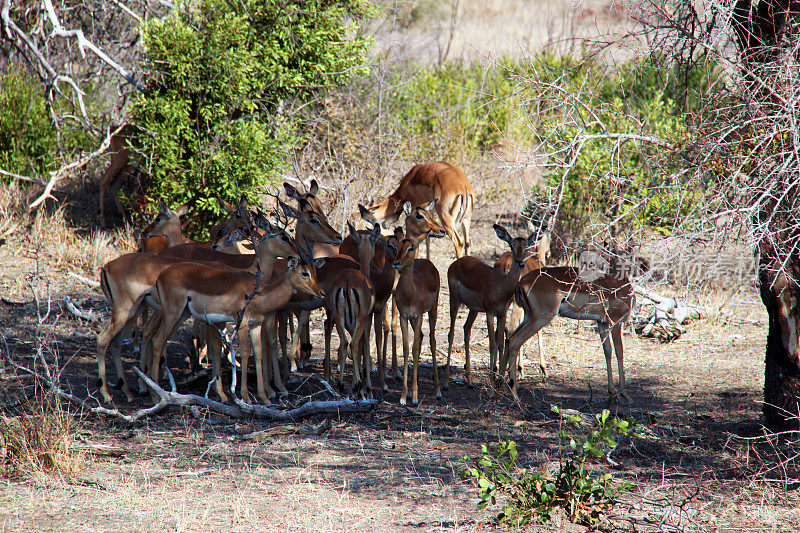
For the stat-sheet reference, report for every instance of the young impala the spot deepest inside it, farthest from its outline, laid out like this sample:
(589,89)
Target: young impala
(484,289)
(417,293)
(441,182)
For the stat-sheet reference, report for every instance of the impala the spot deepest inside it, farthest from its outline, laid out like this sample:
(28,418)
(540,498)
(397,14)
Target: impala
(417,293)
(550,291)
(484,289)
(309,203)
(442,182)
(222,295)
(126,280)
(165,230)
(349,300)
(535,261)
(112,179)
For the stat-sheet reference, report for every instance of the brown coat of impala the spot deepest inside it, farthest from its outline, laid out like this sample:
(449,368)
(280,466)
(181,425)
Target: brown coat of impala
(484,289)
(219,296)
(417,293)
(439,181)
(550,291)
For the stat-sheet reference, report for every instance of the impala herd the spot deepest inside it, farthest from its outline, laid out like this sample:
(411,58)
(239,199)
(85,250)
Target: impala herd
(256,275)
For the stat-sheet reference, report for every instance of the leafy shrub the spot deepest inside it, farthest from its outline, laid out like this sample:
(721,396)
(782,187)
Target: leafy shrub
(618,129)
(220,76)
(533,495)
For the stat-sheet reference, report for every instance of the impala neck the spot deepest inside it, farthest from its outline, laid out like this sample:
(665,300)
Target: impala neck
(173,235)
(272,296)
(509,284)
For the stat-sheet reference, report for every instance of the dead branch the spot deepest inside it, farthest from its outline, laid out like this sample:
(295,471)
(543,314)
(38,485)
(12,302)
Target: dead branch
(668,315)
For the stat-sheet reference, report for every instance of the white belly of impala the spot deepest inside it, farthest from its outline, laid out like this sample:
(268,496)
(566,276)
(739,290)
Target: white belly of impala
(213,318)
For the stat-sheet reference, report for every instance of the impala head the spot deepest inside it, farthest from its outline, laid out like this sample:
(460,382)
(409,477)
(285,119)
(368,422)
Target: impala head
(167,221)
(404,252)
(385,213)
(310,196)
(365,242)
(235,218)
(311,224)
(420,221)
(303,276)
(519,245)
(232,242)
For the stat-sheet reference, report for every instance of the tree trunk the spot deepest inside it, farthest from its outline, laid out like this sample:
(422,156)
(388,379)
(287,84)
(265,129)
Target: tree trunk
(782,366)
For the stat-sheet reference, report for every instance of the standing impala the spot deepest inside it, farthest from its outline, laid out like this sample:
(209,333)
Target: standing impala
(442,182)
(221,295)
(484,289)
(417,293)
(552,291)
(535,261)
(349,299)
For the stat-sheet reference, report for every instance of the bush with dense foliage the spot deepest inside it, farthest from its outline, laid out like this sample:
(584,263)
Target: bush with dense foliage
(222,78)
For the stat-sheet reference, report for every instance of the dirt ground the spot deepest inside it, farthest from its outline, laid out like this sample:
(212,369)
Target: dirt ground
(702,464)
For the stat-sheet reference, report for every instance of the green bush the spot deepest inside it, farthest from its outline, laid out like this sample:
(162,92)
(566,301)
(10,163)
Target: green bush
(611,175)
(533,495)
(27,138)
(219,76)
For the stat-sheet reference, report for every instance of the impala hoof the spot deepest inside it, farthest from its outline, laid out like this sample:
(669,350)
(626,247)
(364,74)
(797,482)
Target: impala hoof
(414,402)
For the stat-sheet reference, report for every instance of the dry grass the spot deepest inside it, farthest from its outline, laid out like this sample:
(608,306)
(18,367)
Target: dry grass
(38,439)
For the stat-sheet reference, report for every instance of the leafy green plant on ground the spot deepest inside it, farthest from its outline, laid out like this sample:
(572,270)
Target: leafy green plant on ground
(222,81)
(534,495)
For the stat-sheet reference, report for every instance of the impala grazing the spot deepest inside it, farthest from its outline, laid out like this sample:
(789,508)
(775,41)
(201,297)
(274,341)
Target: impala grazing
(550,291)
(484,289)
(442,182)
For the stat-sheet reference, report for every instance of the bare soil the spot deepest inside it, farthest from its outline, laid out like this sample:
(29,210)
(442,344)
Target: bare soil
(703,462)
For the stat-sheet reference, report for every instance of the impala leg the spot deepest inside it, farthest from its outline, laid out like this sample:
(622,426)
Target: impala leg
(524,331)
(492,342)
(246,347)
(454,304)
(295,356)
(471,316)
(542,366)
(214,345)
(149,329)
(616,335)
(381,333)
(395,371)
(465,221)
(404,330)
(326,364)
(250,339)
(360,363)
(499,343)
(272,368)
(605,338)
(282,319)
(343,349)
(417,349)
(305,346)
(165,331)
(366,357)
(112,335)
(432,323)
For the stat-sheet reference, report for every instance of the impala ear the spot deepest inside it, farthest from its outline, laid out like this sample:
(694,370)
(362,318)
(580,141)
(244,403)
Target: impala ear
(408,208)
(243,204)
(398,232)
(320,262)
(292,263)
(290,191)
(353,232)
(366,215)
(430,205)
(289,210)
(162,206)
(228,208)
(501,232)
(313,187)
(181,210)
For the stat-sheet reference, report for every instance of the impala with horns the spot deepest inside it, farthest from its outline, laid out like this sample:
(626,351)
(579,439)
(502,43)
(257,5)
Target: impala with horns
(561,291)
(417,293)
(309,202)
(484,289)
(425,183)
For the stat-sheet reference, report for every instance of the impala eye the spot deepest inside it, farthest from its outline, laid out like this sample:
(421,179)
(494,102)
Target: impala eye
(306,275)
